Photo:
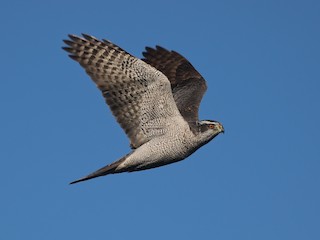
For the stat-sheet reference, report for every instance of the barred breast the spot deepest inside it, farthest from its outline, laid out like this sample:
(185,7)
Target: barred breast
(171,147)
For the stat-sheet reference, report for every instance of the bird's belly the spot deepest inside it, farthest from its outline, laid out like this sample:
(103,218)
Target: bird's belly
(156,153)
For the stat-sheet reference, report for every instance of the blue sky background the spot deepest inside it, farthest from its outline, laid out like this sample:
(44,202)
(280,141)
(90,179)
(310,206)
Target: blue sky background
(260,180)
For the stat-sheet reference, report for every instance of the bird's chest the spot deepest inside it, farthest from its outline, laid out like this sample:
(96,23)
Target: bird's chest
(177,146)
(162,150)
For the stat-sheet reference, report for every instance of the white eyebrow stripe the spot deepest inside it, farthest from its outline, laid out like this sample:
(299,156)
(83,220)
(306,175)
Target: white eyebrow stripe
(208,122)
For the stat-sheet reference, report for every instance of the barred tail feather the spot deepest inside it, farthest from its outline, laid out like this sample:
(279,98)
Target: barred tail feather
(109,169)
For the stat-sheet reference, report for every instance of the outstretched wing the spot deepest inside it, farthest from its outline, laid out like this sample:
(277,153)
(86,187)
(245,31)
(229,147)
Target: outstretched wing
(138,95)
(188,86)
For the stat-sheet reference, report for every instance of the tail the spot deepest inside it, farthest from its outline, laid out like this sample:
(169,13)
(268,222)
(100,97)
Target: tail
(109,169)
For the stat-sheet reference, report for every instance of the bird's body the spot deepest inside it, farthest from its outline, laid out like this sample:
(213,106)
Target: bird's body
(173,146)
(155,100)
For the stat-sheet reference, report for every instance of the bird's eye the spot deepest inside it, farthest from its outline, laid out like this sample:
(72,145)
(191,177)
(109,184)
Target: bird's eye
(211,126)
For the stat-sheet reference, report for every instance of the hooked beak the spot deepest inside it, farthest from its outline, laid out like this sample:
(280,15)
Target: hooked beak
(220,128)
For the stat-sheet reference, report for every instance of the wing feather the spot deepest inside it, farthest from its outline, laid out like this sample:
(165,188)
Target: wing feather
(188,86)
(138,95)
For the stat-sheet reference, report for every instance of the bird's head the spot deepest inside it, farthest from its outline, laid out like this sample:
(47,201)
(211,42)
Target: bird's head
(208,129)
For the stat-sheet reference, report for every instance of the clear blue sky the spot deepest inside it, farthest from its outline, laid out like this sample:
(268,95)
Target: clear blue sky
(260,180)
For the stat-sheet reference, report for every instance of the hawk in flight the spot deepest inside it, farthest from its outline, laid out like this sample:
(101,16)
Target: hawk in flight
(155,100)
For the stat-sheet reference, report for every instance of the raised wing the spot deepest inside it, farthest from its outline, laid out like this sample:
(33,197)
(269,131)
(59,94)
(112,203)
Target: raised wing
(188,86)
(138,95)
